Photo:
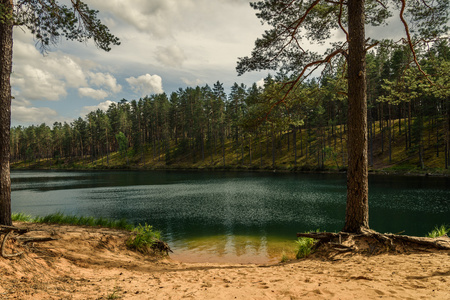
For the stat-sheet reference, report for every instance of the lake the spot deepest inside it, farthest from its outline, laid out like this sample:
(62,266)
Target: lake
(232,216)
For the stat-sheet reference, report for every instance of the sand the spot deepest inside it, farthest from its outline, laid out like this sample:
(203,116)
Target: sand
(93,263)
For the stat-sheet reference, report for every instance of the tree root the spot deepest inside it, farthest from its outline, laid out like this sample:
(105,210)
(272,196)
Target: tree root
(388,241)
(161,246)
(8,230)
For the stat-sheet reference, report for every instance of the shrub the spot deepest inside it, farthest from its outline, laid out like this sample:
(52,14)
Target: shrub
(143,239)
(304,246)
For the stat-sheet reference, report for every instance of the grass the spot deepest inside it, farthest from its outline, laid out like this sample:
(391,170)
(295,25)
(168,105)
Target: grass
(304,247)
(438,231)
(284,257)
(60,218)
(143,239)
(21,217)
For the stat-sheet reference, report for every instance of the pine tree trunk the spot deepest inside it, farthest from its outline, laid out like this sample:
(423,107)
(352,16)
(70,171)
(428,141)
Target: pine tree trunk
(6,45)
(357,211)
(390,133)
(273,149)
(250,151)
(294,138)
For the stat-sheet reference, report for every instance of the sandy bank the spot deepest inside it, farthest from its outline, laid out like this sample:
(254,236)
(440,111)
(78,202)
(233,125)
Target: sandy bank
(93,263)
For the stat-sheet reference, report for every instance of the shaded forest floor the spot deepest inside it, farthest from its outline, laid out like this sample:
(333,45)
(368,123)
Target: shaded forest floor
(93,263)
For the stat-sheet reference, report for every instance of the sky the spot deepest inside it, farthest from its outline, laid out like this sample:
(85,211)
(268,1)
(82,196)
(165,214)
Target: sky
(165,45)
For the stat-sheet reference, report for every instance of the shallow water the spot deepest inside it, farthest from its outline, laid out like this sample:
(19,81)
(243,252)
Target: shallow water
(229,216)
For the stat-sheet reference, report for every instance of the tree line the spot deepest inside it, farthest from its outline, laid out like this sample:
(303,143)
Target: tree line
(404,106)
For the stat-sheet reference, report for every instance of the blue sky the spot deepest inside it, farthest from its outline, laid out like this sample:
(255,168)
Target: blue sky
(166,45)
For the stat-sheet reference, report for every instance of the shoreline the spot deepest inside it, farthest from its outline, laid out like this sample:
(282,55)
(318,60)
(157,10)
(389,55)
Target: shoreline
(93,263)
(383,172)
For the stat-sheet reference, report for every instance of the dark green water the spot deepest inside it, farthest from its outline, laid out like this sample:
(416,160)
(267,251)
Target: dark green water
(228,216)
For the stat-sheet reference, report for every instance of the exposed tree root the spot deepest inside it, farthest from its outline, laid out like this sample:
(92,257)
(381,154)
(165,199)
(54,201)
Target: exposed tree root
(372,242)
(8,230)
(161,246)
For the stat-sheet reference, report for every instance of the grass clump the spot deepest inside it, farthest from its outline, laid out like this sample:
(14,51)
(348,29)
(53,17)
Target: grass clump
(304,247)
(438,231)
(60,218)
(284,257)
(144,238)
(21,217)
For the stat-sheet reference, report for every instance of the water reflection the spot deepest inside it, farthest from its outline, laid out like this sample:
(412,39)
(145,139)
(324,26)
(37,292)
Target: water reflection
(241,217)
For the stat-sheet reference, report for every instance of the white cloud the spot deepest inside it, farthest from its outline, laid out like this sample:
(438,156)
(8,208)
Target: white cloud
(146,84)
(105,80)
(38,77)
(92,93)
(65,69)
(172,56)
(194,82)
(260,83)
(153,17)
(37,84)
(103,106)
(33,115)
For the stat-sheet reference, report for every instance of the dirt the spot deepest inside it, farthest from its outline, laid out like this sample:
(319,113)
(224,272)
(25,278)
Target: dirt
(94,263)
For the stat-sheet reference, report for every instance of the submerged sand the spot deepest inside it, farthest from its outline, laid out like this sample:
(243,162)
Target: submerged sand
(93,263)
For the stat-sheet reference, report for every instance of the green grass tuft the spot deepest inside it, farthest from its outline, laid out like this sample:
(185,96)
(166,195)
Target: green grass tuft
(60,218)
(439,231)
(143,239)
(21,217)
(304,247)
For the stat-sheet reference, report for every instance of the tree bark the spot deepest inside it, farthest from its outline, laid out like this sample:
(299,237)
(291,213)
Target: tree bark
(357,212)
(6,45)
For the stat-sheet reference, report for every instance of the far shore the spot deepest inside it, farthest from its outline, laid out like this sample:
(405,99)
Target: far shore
(418,173)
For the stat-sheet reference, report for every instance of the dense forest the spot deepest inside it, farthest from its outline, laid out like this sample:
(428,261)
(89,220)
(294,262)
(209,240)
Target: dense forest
(263,127)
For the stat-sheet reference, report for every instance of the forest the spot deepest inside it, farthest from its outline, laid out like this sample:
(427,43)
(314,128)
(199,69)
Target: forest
(263,127)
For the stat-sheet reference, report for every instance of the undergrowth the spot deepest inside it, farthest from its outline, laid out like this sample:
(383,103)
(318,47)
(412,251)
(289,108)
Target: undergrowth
(304,247)
(439,231)
(60,218)
(143,239)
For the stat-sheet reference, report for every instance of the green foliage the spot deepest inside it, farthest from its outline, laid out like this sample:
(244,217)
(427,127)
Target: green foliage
(439,231)
(49,20)
(304,246)
(143,239)
(60,218)
(123,142)
(21,217)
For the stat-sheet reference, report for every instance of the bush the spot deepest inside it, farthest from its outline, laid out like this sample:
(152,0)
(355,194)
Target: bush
(143,239)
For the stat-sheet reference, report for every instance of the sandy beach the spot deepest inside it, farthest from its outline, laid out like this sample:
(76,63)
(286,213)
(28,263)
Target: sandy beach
(94,263)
